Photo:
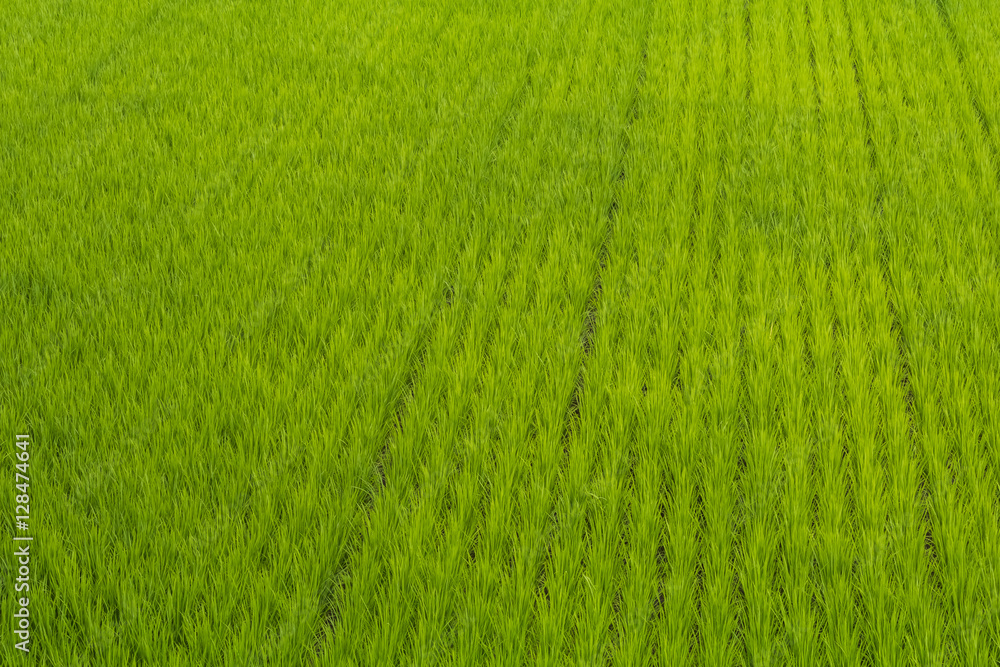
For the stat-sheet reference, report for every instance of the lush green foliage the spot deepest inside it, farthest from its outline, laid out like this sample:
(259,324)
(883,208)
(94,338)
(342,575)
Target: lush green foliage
(504,333)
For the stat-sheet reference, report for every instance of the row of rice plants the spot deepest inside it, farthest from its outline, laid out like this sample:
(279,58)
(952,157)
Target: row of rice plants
(553,184)
(113,338)
(800,283)
(947,217)
(712,347)
(396,460)
(657,614)
(519,333)
(260,515)
(858,286)
(975,372)
(596,105)
(770,221)
(665,205)
(833,199)
(971,28)
(577,585)
(416,464)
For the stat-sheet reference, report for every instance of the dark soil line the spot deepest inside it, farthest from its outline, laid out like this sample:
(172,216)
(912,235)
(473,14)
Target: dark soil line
(748,38)
(329,612)
(812,60)
(813,460)
(506,124)
(977,105)
(737,509)
(611,216)
(392,421)
(668,501)
(886,251)
(588,332)
(336,586)
(862,97)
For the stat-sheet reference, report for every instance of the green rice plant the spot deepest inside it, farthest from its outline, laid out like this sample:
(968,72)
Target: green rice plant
(589,592)
(882,635)
(709,371)
(824,278)
(573,258)
(798,620)
(507,333)
(951,452)
(770,255)
(641,404)
(965,29)
(950,500)
(408,455)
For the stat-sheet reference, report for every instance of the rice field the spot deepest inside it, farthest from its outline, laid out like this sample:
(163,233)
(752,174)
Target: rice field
(456,333)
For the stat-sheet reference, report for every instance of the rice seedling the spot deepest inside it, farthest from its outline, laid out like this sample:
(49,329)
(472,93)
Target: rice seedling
(518,333)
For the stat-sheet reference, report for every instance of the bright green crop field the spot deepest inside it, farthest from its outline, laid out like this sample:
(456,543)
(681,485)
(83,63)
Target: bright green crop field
(440,332)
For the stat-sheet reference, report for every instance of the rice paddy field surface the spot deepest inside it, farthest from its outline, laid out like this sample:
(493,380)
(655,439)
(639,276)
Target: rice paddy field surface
(461,333)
